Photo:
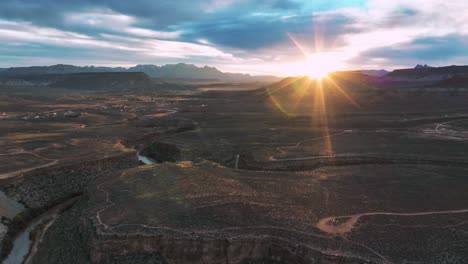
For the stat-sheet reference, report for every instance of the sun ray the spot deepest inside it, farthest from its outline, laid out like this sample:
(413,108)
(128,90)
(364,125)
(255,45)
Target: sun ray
(288,82)
(278,105)
(344,93)
(301,91)
(274,94)
(298,45)
(317,65)
(323,117)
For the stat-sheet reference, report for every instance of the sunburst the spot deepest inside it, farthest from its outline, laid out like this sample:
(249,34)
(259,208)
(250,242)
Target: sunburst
(317,66)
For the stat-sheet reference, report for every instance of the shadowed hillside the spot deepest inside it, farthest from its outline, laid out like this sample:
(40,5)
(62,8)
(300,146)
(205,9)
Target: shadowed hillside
(425,72)
(455,81)
(105,81)
(346,92)
(98,81)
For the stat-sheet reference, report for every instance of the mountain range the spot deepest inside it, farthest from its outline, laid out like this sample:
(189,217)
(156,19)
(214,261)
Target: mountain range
(430,73)
(169,71)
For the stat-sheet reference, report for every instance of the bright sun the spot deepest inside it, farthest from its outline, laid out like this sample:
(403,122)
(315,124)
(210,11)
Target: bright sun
(319,65)
(316,65)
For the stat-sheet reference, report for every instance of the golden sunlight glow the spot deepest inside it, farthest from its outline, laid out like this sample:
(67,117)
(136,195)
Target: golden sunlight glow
(316,65)
(291,95)
(319,65)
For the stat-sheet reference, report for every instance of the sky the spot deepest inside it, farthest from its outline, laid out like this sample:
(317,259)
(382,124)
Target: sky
(280,37)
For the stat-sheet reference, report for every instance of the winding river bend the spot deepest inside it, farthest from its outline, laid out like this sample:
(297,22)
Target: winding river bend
(23,246)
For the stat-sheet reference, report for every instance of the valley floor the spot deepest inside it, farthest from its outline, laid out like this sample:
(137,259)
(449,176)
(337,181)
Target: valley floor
(235,177)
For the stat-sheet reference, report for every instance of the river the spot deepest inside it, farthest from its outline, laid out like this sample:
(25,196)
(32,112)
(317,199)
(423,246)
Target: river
(23,243)
(146,160)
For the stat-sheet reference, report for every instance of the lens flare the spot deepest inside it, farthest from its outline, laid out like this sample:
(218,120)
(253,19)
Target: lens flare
(292,94)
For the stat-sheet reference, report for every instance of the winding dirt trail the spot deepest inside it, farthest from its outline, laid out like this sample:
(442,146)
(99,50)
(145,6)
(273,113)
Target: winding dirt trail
(298,144)
(327,226)
(23,151)
(38,241)
(18,172)
(437,128)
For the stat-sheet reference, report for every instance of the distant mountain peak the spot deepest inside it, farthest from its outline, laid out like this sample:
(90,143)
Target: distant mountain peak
(420,66)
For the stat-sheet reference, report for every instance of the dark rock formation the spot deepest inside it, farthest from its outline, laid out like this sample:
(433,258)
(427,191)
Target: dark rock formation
(105,81)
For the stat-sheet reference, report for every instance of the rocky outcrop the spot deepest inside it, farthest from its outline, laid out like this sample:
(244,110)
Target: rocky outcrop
(421,66)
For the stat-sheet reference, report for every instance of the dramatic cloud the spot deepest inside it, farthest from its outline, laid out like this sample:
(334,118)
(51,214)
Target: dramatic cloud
(260,36)
(437,51)
(258,30)
(20,38)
